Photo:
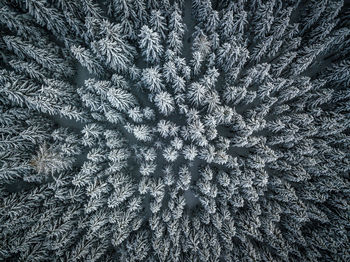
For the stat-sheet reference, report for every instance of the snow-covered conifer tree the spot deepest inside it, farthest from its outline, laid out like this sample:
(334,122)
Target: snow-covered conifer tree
(150,44)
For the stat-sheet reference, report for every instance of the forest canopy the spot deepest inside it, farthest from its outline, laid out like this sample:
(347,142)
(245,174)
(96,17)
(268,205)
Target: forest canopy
(174,130)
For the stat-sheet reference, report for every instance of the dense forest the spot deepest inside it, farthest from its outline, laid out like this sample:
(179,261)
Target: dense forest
(175,130)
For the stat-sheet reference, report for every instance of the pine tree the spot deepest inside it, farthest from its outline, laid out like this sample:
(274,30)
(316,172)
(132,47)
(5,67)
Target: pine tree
(150,45)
